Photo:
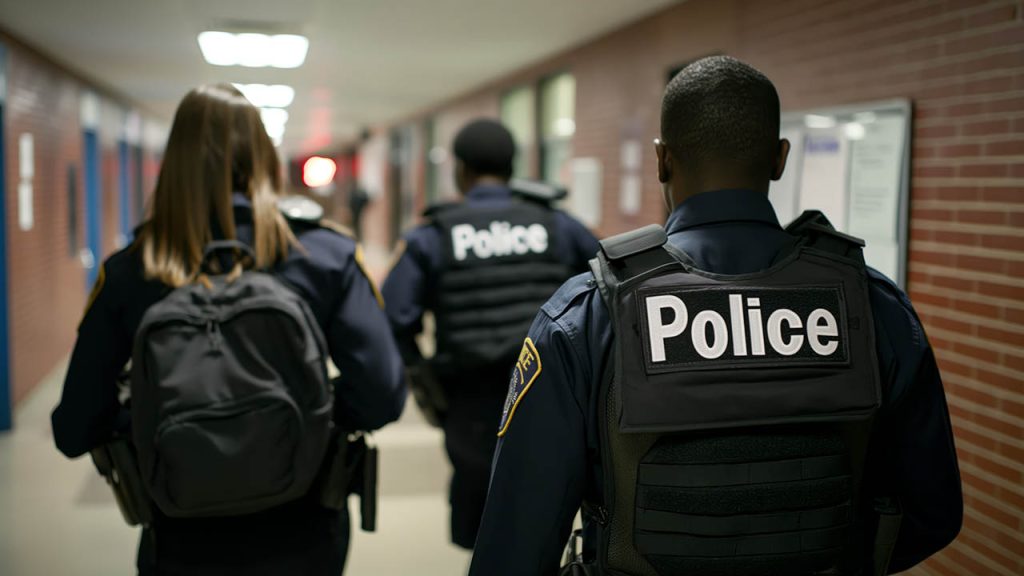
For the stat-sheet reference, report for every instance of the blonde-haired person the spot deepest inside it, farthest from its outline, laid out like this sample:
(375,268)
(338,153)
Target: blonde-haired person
(220,180)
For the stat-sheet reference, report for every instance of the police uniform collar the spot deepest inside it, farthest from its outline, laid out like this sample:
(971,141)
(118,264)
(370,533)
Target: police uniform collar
(239,200)
(719,206)
(488,192)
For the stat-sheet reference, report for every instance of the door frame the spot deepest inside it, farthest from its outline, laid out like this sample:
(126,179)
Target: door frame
(5,344)
(93,205)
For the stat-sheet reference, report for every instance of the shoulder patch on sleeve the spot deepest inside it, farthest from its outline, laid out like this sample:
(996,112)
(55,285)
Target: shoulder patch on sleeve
(526,370)
(358,257)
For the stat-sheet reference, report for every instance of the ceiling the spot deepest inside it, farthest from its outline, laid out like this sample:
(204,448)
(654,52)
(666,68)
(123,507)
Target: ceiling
(369,62)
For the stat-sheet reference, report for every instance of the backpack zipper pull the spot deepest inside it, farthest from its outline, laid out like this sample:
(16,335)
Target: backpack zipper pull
(213,331)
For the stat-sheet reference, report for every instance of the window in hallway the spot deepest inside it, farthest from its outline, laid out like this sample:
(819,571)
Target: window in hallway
(434,162)
(518,113)
(557,126)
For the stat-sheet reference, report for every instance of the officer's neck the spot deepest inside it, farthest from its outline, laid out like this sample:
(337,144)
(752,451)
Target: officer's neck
(687,188)
(481,181)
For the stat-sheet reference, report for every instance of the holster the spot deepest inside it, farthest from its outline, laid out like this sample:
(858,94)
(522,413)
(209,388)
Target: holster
(428,392)
(117,463)
(351,468)
(890,515)
(573,562)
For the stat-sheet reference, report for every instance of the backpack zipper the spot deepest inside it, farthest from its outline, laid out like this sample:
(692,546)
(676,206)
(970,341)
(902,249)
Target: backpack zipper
(213,331)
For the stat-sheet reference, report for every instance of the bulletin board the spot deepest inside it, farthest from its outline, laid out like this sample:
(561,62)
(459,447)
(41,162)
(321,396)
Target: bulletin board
(853,164)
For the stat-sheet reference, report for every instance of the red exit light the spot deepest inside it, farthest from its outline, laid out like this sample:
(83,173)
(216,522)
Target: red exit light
(318,171)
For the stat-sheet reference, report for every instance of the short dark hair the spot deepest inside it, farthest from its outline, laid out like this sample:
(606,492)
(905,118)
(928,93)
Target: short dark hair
(486,148)
(718,111)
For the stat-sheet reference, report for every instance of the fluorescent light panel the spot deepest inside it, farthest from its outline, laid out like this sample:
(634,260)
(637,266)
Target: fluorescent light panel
(819,121)
(268,96)
(854,131)
(253,50)
(274,120)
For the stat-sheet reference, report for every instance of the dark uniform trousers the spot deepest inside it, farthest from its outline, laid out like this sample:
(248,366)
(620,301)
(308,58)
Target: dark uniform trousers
(474,400)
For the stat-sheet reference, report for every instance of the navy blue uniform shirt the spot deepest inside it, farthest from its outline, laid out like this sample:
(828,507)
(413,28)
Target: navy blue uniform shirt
(411,286)
(547,462)
(369,393)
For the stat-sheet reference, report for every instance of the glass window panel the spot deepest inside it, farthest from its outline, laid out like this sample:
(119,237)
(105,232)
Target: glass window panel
(558,124)
(519,116)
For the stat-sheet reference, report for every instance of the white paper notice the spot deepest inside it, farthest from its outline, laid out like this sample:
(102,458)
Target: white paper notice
(630,184)
(629,194)
(823,175)
(875,162)
(585,192)
(785,192)
(631,154)
(26,157)
(26,213)
(26,173)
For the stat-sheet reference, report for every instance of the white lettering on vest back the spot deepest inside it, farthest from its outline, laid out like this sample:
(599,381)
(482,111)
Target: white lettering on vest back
(661,332)
(699,334)
(498,239)
(728,326)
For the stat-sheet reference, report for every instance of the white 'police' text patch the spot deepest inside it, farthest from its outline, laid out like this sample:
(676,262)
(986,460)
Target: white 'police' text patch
(716,328)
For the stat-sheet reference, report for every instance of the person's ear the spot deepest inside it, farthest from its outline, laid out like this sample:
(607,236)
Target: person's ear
(780,159)
(664,161)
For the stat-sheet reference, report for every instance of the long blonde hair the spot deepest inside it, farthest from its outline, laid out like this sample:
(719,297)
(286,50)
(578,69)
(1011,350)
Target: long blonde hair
(217,146)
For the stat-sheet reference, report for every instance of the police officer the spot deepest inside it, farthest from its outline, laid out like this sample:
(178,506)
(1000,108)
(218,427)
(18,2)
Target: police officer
(732,398)
(483,266)
(219,179)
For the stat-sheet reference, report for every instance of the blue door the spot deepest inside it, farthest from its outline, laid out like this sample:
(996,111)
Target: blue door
(5,365)
(93,209)
(124,166)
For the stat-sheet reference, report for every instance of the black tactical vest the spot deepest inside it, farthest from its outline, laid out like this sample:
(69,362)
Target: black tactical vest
(499,268)
(737,411)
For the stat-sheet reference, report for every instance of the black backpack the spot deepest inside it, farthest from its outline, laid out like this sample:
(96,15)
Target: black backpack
(231,402)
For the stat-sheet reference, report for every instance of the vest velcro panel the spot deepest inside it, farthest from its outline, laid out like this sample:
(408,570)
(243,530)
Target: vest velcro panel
(737,417)
(499,268)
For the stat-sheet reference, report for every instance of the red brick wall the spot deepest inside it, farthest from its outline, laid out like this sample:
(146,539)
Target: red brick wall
(47,283)
(961,62)
(111,123)
(47,291)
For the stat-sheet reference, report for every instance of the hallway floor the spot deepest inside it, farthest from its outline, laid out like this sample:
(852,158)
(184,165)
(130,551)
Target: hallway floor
(57,517)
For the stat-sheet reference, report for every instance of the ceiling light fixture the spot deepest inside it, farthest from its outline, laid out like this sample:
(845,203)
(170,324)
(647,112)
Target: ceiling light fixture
(819,121)
(274,120)
(253,50)
(267,96)
(854,131)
